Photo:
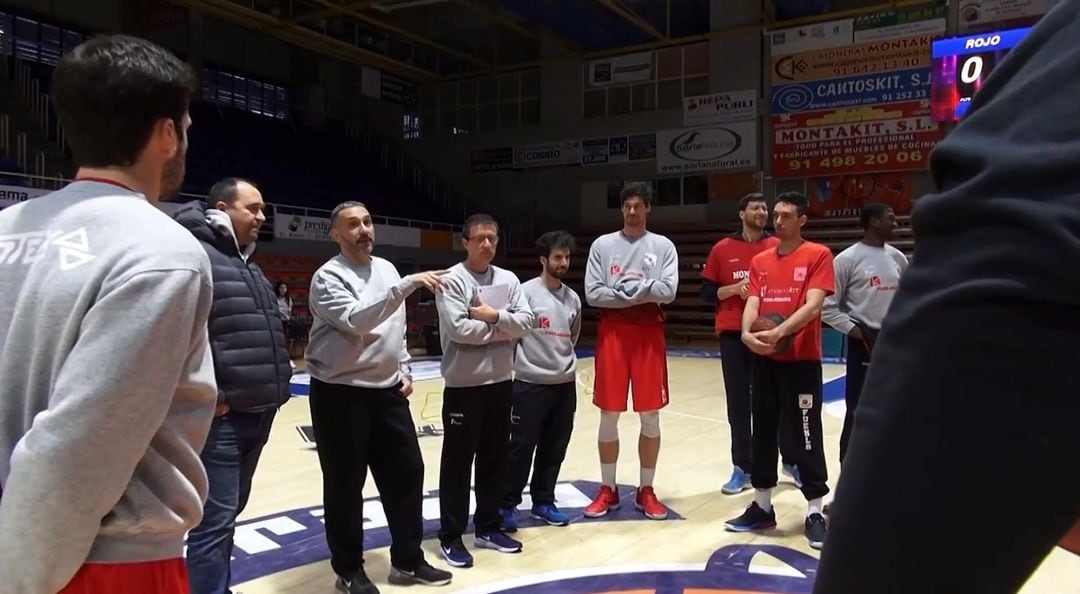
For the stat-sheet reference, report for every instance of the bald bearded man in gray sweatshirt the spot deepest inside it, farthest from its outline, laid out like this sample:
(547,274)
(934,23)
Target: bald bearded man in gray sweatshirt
(360,384)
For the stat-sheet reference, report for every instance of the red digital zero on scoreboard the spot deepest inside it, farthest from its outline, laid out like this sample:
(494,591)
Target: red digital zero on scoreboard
(889,137)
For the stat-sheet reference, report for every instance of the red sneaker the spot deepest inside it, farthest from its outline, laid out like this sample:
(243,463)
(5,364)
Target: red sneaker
(648,503)
(606,500)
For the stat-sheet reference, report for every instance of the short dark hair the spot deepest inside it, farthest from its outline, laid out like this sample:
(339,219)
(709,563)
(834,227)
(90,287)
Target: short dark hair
(477,219)
(110,91)
(745,201)
(796,199)
(225,190)
(643,190)
(553,240)
(344,206)
(872,210)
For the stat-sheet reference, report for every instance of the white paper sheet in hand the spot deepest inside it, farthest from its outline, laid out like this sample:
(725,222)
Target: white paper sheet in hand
(497,296)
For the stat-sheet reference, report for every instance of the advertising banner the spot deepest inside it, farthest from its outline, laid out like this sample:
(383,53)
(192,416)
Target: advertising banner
(890,87)
(288,226)
(12,195)
(845,195)
(925,19)
(619,70)
(891,137)
(863,58)
(718,108)
(642,147)
(492,159)
(709,148)
(980,13)
(548,154)
(595,152)
(784,42)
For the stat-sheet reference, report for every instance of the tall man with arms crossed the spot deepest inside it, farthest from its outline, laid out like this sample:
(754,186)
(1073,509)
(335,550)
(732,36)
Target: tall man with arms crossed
(979,348)
(545,385)
(792,281)
(360,384)
(630,273)
(867,276)
(106,380)
(482,310)
(726,284)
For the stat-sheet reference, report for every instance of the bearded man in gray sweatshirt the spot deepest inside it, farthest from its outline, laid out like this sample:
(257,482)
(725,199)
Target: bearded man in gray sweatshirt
(360,384)
(106,380)
(482,311)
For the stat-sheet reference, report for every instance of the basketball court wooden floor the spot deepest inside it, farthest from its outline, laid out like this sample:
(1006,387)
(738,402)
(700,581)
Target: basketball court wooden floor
(280,546)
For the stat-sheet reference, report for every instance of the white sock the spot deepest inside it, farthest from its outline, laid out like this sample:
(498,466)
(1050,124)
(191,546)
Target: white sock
(763,499)
(814,507)
(647,475)
(607,474)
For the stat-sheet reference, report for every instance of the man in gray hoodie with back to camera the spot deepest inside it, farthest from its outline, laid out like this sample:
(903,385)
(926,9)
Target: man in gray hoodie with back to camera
(106,381)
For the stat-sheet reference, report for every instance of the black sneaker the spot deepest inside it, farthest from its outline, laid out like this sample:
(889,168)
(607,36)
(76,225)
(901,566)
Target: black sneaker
(815,530)
(423,574)
(754,518)
(358,583)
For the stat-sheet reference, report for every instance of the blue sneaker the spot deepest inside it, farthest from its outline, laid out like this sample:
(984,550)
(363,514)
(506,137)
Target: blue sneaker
(754,518)
(550,514)
(456,554)
(509,519)
(739,482)
(497,541)
(793,471)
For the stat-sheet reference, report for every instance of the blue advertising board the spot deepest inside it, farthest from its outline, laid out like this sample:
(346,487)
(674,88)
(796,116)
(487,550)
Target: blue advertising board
(976,44)
(867,89)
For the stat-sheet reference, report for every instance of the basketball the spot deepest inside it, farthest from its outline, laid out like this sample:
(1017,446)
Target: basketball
(768,322)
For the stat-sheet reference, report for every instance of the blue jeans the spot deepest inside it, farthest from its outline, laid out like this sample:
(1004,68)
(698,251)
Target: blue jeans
(231,453)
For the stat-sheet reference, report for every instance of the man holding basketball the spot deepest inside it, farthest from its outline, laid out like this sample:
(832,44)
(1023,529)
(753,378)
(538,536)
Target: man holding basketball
(726,284)
(788,284)
(630,273)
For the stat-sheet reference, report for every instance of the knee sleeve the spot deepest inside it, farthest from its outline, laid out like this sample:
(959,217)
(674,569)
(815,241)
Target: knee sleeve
(650,423)
(609,426)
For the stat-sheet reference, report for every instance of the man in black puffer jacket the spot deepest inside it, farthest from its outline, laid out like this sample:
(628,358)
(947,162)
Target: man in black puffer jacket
(252,366)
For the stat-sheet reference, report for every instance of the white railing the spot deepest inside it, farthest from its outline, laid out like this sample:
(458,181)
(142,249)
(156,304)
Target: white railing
(55,183)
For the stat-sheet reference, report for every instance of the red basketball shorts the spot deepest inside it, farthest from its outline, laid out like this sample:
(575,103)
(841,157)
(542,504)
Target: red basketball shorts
(153,577)
(628,353)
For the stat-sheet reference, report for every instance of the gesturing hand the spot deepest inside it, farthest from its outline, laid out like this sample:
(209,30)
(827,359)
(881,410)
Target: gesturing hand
(431,279)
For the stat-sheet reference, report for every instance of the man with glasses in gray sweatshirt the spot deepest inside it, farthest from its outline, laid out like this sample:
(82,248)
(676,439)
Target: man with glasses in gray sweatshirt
(482,311)
(360,385)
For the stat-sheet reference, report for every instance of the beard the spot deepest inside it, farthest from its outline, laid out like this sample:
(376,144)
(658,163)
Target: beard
(172,175)
(557,273)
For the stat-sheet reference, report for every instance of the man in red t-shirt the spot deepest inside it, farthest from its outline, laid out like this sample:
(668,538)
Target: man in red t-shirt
(791,280)
(725,284)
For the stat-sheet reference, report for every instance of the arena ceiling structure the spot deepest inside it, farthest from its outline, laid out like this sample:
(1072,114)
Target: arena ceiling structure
(428,40)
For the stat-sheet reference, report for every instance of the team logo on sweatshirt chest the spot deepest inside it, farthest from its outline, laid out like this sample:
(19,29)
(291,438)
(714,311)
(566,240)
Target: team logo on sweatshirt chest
(799,275)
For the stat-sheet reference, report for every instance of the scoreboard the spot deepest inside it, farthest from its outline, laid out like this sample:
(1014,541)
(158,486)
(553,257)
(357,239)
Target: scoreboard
(961,66)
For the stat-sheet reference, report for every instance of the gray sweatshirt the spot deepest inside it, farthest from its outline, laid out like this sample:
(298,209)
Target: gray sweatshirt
(476,353)
(867,277)
(545,355)
(358,336)
(106,384)
(629,278)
